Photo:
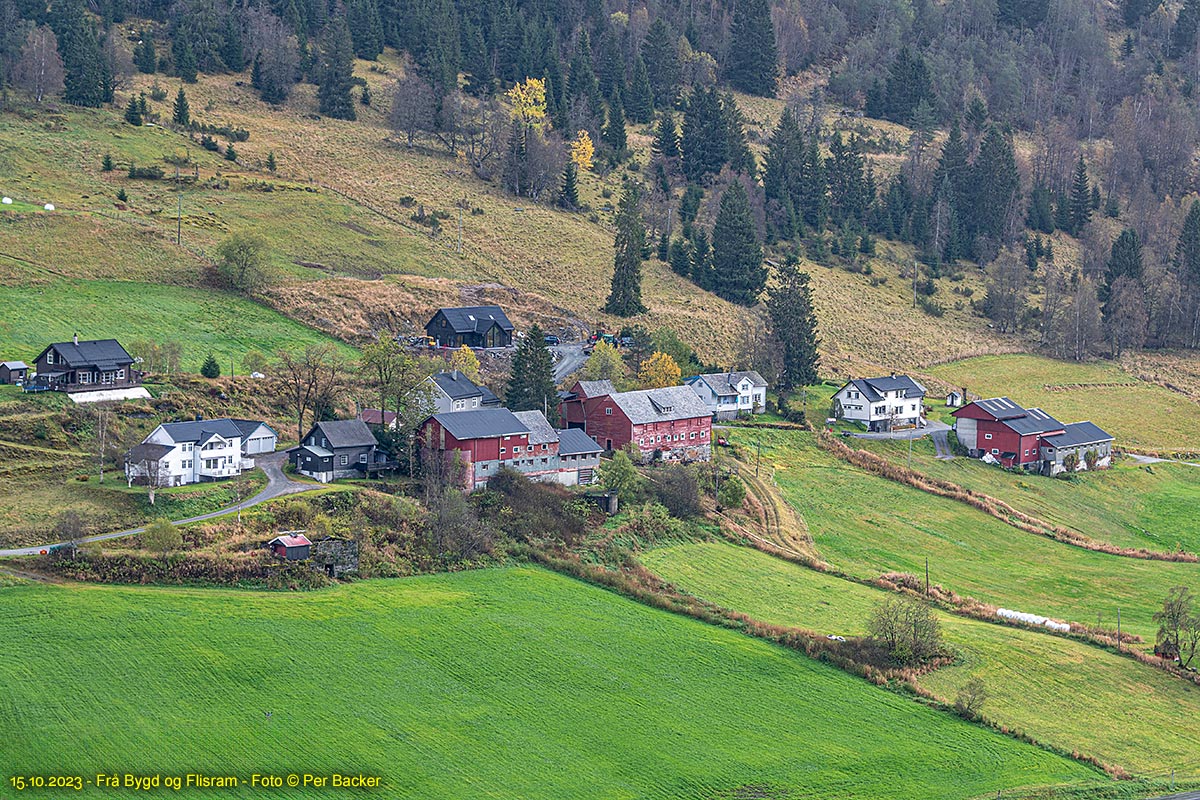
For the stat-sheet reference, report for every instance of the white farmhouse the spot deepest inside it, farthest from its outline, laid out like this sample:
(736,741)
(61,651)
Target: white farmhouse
(179,453)
(728,394)
(881,403)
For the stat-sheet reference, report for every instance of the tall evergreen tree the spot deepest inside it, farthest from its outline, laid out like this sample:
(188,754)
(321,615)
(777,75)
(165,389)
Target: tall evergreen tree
(640,104)
(568,195)
(679,258)
(335,73)
(1183,35)
(739,157)
(582,84)
(366,28)
(144,57)
(610,74)
(954,168)
(739,274)
(480,74)
(666,137)
(661,55)
(1041,210)
(814,200)
(752,63)
(701,257)
(908,84)
(1187,269)
(185,59)
(133,112)
(181,114)
(531,383)
(86,82)
(1081,198)
(705,143)
(233,48)
(849,189)
(995,183)
(625,299)
(1125,261)
(613,134)
(784,163)
(794,326)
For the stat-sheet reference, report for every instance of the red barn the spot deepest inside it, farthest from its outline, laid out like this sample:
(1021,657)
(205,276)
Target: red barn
(1030,438)
(671,424)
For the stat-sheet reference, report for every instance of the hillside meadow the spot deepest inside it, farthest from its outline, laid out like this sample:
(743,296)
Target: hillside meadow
(868,526)
(509,683)
(1061,691)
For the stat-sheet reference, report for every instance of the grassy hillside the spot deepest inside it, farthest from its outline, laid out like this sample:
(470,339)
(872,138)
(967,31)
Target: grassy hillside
(513,683)
(1033,680)
(1138,413)
(1129,505)
(868,526)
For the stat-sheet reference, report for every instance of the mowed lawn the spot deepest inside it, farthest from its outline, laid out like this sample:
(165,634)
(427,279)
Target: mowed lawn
(1131,505)
(868,526)
(1137,413)
(502,683)
(1063,692)
(204,321)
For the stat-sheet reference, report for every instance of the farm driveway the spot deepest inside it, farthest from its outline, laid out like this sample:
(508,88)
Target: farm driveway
(278,485)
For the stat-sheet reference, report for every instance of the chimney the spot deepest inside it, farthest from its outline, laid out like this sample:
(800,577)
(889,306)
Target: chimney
(455,374)
(76,338)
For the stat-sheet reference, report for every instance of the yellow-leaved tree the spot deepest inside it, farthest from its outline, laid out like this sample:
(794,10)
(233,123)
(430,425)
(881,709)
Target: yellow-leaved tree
(528,100)
(582,150)
(604,364)
(659,370)
(465,361)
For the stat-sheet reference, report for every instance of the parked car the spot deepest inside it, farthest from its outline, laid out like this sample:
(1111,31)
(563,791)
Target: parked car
(551,339)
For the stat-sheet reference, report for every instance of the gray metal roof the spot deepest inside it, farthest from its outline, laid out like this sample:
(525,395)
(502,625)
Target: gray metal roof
(481,423)
(1077,434)
(317,451)
(1034,421)
(725,383)
(249,426)
(101,353)
(201,430)
(873,388)
(1001,408)
(15,364)
(489,398)
(474,319)
(573,441)
(456,385)
(346,433)
(148,451)
(540,429)
(661,405)
(597,388)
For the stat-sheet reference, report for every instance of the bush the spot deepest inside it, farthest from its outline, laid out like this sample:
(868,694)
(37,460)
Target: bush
(908,629)
(732,492)
(679,492)
(534,512)
(930,307)
(162,537)
(209,143)
(971,698)
(147,173)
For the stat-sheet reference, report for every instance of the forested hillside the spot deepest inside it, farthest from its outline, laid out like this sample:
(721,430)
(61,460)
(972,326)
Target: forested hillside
(1049,143)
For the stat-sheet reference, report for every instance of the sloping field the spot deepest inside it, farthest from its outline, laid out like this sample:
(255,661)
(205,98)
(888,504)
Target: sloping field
(504,683)
(1138,413)
(1131,505)
(1063,692)
(868,526)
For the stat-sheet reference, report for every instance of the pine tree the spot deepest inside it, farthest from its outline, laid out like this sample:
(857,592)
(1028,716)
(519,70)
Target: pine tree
(614,130)
(752,64)
(568,195)
(908,83)
(1062,212)
(661,55)
(181,113)
(1125,260)
(625,299)
(701,257)
(705,143)
(531,382)
(664,247)
(106,164)
(784,163)
(814,200)
(336,72)
(86,78)
(640,105)
(133,112)
(611,73)
(737,148)
(794,326)
(995,183)
(1081,198)
(233,50)
(1041,210)
(271,161)
(679,259)
(954,169)
(666,137)
(144,57)
(738,270)
(210,369)
(366,28)
(850,193)
(185,59)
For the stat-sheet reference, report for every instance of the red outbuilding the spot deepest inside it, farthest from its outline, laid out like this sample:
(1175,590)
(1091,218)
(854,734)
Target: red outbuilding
(669,424)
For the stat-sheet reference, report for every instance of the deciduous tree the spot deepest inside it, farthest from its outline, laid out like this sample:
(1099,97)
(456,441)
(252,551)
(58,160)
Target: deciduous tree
(658,371)
(243,262)
(39,69)
(162,537)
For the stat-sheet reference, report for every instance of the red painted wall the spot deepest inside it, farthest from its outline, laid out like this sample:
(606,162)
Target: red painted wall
(611,431)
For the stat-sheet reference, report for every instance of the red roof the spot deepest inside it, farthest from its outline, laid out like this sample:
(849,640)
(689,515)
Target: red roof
(373,416)
(299,540)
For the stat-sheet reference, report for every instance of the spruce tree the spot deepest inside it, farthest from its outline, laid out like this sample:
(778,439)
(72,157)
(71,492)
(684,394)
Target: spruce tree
(625,299)
(233,50)
(531,382)
(640,102)
(1041,210)
(679,259)
(614,130)
(133,112)
(705,142)
(995,183)
(568,195)
(752,63)
(784,163)
(481,77)
(1183,35)
(737,148)
(271,161)
(953,168)
(1125,261)
(850,192)
(661,55)
(185,59)
(1187,249)
(1081,198)
(610,75)
(666,137)
(86,77)
(106,164)
(366,28)
(181,113)
(908,84)
(739,274)
(794,326)
(144,57)
(210,369)
(701,256)
(814,200)
(1062,212)
(230,153)
(336,72)
(664,247)
(581,79)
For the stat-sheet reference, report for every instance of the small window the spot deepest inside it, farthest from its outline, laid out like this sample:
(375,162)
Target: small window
(608,412)
(987,436)
(503,450)
(995,452)
(693,436)
(345,459)
(517,449)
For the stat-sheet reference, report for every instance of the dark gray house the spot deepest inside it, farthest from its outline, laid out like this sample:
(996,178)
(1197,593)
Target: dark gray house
(474,326)
(86,366)
(13,371)
(343,448)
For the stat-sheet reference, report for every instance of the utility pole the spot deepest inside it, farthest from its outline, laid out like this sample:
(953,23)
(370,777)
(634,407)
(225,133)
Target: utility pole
(757,456)
(927,576)
(460,227)
(1118,629)
(178,209)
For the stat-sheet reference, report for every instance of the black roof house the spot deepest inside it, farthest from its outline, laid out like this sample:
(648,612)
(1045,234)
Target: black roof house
(473,326)
(86,365)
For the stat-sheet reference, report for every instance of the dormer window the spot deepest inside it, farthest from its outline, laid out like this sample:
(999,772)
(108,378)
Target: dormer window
(49,356)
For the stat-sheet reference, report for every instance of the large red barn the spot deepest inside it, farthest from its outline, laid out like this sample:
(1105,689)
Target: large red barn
(671,424)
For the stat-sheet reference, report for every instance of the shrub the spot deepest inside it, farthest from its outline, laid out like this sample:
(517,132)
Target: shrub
(732,492)
(210,369)
(971,698)
(679,492)
(908,629)
(147,173)
(162,537)
(209,143)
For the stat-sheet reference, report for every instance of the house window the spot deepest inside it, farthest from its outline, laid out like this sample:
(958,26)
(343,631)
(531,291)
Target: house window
(608,412)
(543,447)
(545,460)
(345,459)
(517,449)
(503,450)
(458,405)
(211,463)
(85,377)
(186,464)
(995,452)
(50,357)
(187,447)
(693,436)
(987,436)
(121,374)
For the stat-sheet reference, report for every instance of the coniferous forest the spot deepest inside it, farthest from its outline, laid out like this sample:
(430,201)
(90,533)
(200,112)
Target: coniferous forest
(1022,118)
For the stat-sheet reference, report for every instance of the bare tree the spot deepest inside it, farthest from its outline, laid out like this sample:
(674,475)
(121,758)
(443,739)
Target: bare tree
(412,107)
(149,467)
(1084,320)
(908,628)
(118,59)
(1006,293)
(971,698)
(70,529)
(1125,317)
(1179,625)
(39,70)
(484,127)
(307,377)
(276,53)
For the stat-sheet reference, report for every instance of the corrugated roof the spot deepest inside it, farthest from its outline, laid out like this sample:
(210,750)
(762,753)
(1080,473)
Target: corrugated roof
(540,429)
(1077,434)
(573,441)
(661,405)
(489,398)
(201,430)
(298,540)
(456,385)
(15,364)
(1034,421)
(481,423)
(872,389)
(347,433)
(474,319)
(249,426)
(725,383)
(101,353)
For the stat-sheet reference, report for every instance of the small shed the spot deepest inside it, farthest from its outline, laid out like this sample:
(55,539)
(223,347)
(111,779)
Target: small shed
(293,546)
(954,400)
(13,371)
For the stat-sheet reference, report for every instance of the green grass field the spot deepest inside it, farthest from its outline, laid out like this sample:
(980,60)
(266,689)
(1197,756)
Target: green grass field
(1063,692)
(1137,413)
(204,321)
(1130,505)
(505,683)
(867,526)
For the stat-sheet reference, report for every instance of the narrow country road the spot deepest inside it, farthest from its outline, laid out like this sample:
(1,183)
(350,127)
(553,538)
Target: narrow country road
(941,441)
(570,359)
(278,485)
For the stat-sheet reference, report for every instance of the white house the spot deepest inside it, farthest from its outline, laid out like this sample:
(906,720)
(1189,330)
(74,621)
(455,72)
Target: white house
(179,453)
(881,403)
(728,394)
